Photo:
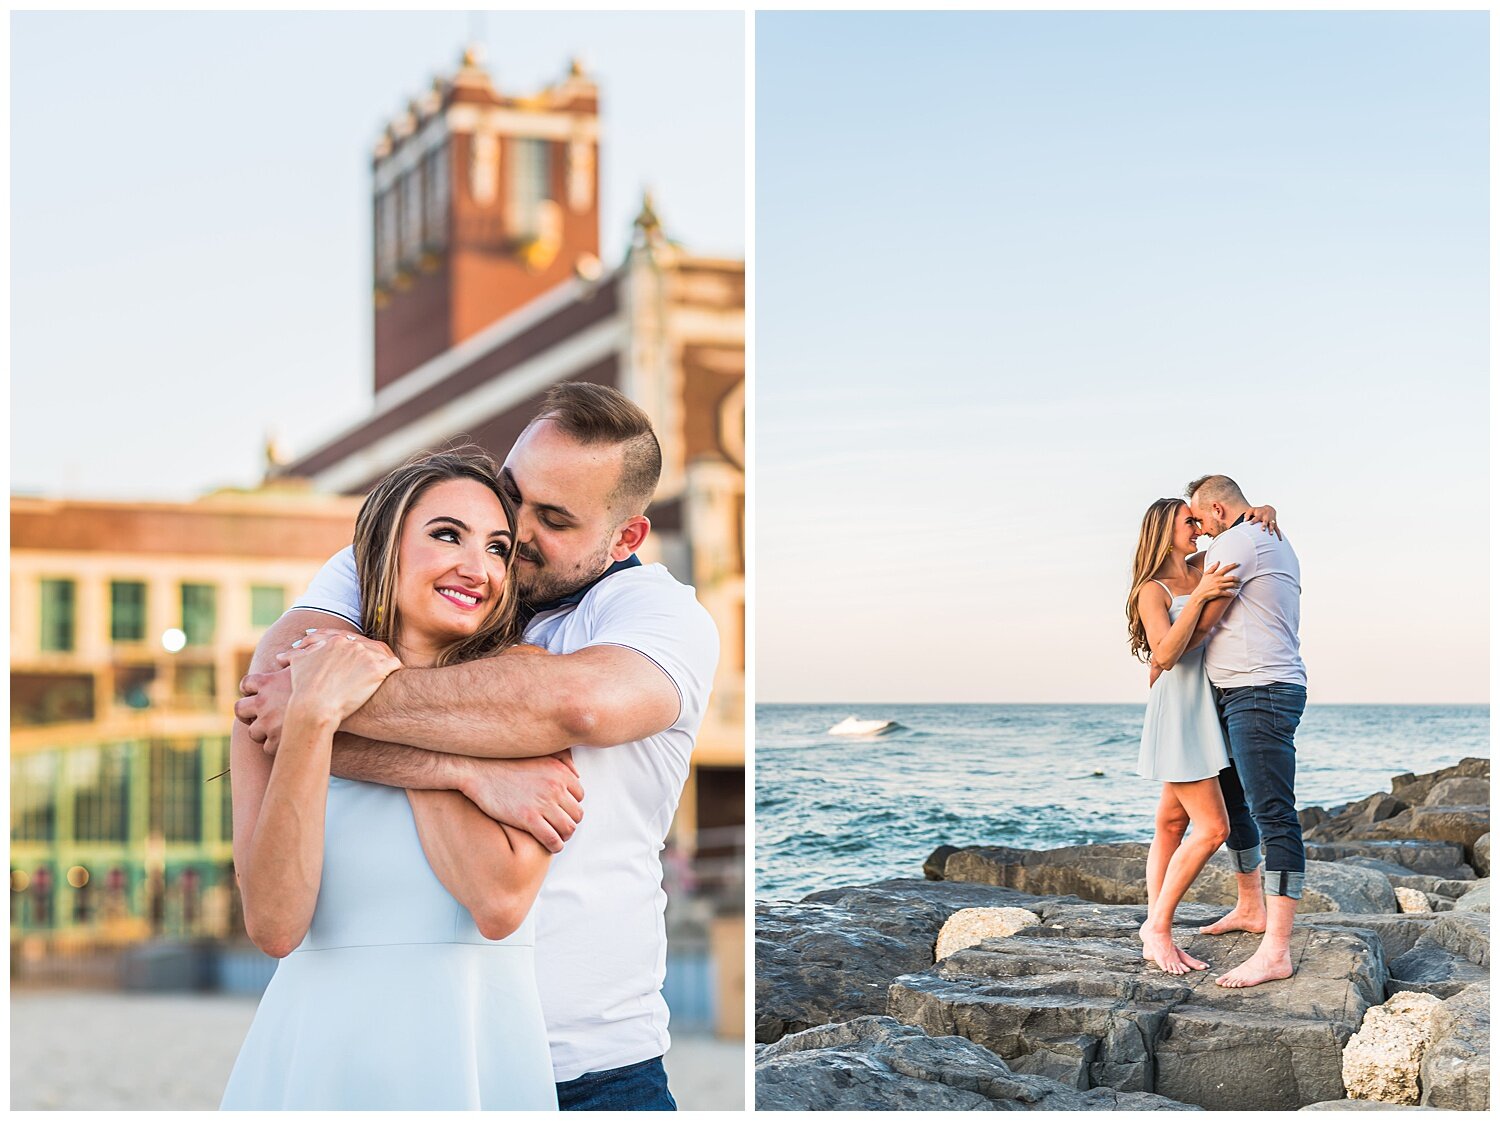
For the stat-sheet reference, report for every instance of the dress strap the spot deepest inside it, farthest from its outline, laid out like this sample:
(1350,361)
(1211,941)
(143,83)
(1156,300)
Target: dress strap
(1166,589)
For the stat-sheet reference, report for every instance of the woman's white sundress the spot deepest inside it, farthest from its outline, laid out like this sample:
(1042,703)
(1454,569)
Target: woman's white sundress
(393,1000)
(1182,740)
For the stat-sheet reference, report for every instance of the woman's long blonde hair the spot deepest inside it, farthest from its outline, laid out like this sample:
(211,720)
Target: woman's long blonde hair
(1150,553)
(377,548)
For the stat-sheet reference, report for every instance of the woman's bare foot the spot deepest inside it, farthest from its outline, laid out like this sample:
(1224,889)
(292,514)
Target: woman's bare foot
(1262,966)
(1241,918)
(1189,960)
(1157,947)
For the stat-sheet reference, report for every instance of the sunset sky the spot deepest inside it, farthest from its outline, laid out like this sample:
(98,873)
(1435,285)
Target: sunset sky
(1020,274)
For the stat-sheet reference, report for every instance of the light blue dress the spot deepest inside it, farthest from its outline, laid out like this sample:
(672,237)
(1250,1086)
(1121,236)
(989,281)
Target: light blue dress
(1182,740)
(393,1000)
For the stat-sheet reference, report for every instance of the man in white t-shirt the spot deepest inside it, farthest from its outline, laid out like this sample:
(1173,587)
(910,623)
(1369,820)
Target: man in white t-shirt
(1254,663)
(626,692)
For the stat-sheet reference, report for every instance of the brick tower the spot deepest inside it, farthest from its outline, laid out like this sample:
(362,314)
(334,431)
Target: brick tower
(482,202)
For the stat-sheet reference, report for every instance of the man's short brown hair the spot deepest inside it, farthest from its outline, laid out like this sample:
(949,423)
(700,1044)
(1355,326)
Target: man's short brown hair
(596,414)
(1217,488)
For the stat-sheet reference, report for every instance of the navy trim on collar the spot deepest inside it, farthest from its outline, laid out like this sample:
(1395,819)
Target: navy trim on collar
(1237,521)
(531,611)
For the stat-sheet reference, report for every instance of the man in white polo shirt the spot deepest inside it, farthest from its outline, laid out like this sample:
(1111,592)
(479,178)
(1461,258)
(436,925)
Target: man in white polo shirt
(1254,662)
(627,692)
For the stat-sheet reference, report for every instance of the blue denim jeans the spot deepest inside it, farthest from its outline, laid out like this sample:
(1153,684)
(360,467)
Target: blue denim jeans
(1259,724)
(641,1085)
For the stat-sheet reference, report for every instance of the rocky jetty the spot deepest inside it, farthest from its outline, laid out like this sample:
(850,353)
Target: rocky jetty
(1041,999)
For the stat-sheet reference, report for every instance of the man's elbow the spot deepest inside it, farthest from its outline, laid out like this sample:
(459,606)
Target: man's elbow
(578,722)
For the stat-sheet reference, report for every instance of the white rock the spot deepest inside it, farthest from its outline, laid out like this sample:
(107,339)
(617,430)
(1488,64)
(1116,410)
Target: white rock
(1411,901)
(1383,1060)
(973,925)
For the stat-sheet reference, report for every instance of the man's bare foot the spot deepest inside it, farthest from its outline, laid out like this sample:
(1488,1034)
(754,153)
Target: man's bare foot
(1157,947)
(1262,966)
(1241,918)
(1189,960)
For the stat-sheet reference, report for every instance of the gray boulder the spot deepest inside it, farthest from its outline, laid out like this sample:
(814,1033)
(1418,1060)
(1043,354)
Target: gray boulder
(1401,876)
(1117,874)
(1312,815)
(1456,1064)
(1442,859)
(832,956)
(875,1063)
(1459,792)
(1072,1000)
(1414,789)
(1355,818)
(1440,964)
(1462,825)
(932,867)
(1482,855)
(1477,900)
(1396,934)
(1467,935)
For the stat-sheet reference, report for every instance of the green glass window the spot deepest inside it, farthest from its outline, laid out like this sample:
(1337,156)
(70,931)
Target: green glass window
(32,813)
(175,790)
(133,685)
(127,611)
(199,613)
(57,615)
(266,604)
(100,778)
(195,686)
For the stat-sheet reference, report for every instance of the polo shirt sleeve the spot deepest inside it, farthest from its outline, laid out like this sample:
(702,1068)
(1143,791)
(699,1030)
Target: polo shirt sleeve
(335,589)
(663,620)
(1231,547)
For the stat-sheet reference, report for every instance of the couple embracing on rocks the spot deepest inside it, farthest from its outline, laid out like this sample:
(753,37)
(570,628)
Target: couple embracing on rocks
(1228,689)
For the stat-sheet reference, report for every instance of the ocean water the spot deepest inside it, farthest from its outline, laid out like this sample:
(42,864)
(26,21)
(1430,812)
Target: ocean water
(832,811)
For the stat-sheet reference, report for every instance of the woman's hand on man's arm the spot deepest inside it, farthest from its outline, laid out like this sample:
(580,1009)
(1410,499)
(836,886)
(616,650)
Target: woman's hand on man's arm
(540,795)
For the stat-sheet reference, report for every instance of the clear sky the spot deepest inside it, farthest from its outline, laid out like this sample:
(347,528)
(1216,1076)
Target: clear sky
(1020,274)
(190,215)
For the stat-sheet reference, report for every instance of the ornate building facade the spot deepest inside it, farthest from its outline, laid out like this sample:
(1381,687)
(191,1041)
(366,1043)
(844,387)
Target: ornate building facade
(131,625)
(488,289)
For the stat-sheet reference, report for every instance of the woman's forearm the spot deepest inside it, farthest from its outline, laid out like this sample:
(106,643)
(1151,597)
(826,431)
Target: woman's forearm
(282,871)
(493,871)
(1179,637)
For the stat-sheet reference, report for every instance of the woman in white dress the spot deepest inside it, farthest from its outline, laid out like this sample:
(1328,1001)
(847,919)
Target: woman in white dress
(1182,743)
(400,918)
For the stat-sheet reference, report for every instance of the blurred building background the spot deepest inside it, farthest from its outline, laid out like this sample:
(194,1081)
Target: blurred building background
(132,623)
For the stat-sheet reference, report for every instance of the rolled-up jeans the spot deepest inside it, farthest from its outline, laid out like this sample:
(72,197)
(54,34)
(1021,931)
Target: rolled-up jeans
(1259,724)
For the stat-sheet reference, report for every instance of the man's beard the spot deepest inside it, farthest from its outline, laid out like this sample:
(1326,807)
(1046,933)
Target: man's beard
(540,583)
